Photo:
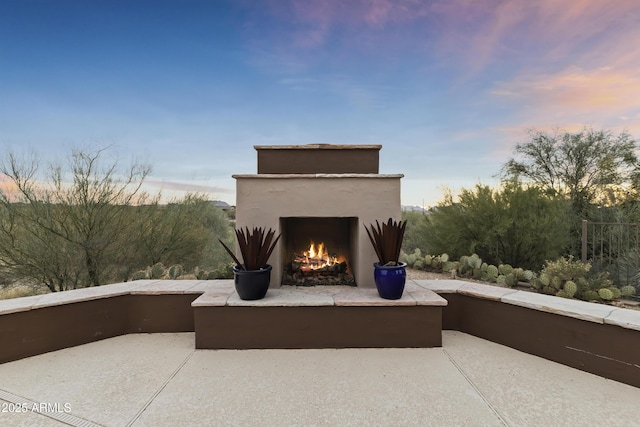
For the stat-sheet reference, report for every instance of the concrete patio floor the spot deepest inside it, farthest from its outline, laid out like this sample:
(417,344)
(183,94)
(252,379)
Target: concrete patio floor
(161,380)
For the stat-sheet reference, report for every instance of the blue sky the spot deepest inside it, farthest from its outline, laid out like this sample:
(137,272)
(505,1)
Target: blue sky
(448,87)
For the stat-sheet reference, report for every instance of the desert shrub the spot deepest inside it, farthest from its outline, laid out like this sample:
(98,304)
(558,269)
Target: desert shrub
(513,225)
(416,234)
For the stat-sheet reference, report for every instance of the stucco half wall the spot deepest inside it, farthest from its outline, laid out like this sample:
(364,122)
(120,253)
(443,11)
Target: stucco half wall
(262,200)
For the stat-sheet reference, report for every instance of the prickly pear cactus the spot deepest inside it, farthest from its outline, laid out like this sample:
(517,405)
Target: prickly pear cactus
(563,294)
(411,260)
(435,261)
(556,282)
(474,261)
(570,288)
(447,266)
(175,271)
(527,276)
(591,295)
(157,271)
(505,269)
(418,252)
(444,258)
(627,291)
(427,260)
(616,292)
(544,279)
(492,272)
(501,280)
(463,265)
(519,273)
(605,294)
(140,275)
(419,264)
(510,279)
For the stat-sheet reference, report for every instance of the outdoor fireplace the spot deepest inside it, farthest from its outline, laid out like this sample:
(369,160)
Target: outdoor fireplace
(313,195)
(317,251)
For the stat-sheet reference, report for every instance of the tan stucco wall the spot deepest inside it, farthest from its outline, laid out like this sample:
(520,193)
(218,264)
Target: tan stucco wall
(261,200)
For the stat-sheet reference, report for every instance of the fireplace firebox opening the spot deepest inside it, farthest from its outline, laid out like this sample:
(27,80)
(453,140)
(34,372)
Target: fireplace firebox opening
(318,250)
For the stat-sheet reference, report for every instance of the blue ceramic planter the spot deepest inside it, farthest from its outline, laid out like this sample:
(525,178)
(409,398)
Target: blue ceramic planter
(252,284)
(390,280)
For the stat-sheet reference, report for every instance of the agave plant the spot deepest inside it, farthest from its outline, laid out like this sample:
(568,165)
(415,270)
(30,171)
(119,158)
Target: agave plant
(256,247)
(387,240)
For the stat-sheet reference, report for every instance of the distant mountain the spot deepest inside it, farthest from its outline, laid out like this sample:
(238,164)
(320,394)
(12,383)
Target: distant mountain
(413,208)
(221,204)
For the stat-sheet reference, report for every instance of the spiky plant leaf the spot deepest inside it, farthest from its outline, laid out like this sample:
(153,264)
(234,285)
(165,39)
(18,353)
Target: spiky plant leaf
(386,240)
(256,247)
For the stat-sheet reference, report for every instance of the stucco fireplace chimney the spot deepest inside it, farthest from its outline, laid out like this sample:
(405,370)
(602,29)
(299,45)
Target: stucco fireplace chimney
(320,191)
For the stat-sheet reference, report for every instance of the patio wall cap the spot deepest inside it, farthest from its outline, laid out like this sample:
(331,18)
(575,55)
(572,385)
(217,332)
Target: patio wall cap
(417,292)
(16,305)
(211,299)
(85,294)
(428,297)
(582,310)
(166,287)
(219,286)
(478,290)
(441,286)
(628,319)
(69,297)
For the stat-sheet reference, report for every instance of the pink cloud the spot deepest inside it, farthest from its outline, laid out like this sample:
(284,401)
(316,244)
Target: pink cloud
(472,32)
(186,187)
(571,98)
(480,33)
(7,186)
(576,90)
(376,13)
(602,96)
(310,24)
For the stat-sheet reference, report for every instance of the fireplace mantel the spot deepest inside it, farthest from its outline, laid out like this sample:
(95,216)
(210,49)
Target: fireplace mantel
(316,175)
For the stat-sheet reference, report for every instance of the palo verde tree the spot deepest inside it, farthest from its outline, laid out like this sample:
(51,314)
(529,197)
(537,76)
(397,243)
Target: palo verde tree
(67,227)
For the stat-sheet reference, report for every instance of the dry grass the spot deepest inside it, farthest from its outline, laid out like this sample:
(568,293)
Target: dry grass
(22,289)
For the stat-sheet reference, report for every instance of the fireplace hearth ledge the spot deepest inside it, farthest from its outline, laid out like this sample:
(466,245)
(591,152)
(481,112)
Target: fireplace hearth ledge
(305,296)
(320,317)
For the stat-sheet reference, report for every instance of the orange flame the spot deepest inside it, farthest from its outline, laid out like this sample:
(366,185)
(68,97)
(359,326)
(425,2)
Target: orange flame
(316,258)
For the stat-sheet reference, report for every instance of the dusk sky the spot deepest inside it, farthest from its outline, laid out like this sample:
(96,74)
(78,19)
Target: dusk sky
(448,87)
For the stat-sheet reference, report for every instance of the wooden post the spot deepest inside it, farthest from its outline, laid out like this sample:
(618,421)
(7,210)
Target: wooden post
(584,240)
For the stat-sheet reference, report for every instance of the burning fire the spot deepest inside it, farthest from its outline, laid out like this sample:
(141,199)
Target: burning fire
(316,258)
